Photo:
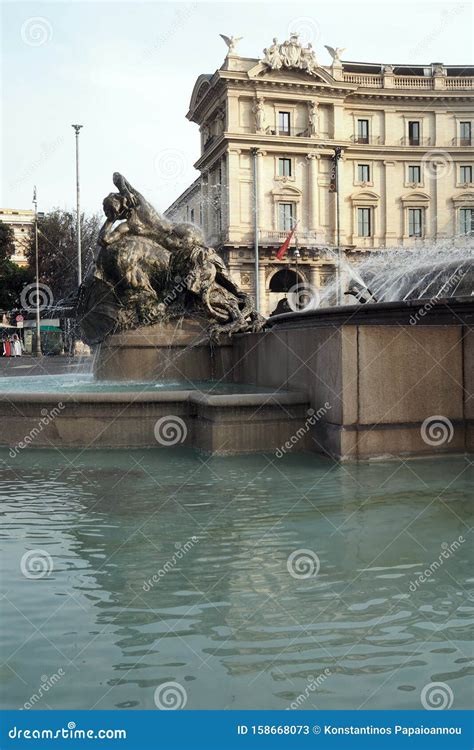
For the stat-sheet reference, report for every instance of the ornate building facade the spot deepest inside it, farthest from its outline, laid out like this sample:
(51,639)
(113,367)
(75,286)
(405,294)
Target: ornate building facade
(22,222)
(269,130)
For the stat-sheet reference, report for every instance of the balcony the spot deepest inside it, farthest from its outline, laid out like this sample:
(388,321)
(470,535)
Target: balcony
(368,140)
(277,238)
(462,142)
(407,141)
(290,132)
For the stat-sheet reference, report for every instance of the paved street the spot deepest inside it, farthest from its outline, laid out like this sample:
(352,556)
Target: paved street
(28,365)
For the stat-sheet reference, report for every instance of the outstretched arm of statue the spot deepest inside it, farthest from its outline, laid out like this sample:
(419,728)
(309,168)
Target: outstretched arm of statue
(107,235)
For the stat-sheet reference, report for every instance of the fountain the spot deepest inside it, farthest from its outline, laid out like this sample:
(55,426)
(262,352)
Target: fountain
(182,357)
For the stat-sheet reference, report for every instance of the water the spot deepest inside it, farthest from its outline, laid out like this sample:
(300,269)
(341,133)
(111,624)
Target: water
(426,270)
(85,383)
(227,621)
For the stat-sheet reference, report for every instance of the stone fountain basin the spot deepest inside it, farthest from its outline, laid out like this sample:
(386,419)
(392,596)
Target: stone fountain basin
(218,424)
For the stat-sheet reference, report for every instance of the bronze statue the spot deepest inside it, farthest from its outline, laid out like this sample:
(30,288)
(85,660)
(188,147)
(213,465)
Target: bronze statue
(148,270)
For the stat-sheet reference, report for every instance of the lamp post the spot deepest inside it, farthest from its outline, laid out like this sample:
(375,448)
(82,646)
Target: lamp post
(254,152)
(78,209)
(38,316)
(337,156)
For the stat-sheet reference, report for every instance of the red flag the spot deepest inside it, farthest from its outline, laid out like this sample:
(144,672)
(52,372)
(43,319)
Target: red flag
(284,248)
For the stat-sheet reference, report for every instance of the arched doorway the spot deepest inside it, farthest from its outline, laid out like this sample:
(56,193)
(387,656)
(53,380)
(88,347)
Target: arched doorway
(289,291)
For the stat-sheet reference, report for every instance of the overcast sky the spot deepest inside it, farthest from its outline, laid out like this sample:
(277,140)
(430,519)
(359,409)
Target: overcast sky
(126,72)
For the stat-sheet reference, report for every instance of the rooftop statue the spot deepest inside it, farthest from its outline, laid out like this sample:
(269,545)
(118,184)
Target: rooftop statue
(290,54)
(232,42)
(148,270)
(335,53)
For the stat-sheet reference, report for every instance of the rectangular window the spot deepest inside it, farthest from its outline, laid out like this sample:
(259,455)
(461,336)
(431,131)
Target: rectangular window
(191,216)
(364,222)
(363,172)
(284,167)
(286,216)
(465,174)
(362,131)
(414,173)
(414,133)
(284,123)
(465,133)
(415,222)
(466,216)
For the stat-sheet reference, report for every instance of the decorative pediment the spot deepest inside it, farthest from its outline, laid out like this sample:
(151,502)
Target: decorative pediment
(290,192)
(365,197)
(464,199)
(417,197)
(201,87)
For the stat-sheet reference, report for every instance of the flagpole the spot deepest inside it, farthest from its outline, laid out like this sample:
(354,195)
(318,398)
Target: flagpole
(38,316)
(297,254)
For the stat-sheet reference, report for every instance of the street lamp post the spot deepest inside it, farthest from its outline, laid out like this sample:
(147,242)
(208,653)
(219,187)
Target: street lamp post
(78,209)
(337,156)
(38,316)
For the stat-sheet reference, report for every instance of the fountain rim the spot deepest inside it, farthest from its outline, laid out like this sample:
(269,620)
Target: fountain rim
(435,311)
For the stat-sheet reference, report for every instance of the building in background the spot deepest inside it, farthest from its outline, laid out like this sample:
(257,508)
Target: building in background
(269,128)
(22,222)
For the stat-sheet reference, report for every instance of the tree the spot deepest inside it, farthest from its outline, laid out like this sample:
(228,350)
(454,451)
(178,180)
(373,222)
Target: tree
(12,277)
(57,249)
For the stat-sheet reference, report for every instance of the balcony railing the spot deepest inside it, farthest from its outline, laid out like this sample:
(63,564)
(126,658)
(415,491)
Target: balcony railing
(291,132)
(460,83)
(462,142)
(412,82)
(407,141)
(361,79)
(371,140)
(376,81)
(277,237)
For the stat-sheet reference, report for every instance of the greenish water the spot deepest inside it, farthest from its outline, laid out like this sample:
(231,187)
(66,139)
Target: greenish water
(227,621)
(85,383)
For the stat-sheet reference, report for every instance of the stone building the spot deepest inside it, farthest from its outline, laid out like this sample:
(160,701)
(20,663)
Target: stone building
(269,129)
(22,222)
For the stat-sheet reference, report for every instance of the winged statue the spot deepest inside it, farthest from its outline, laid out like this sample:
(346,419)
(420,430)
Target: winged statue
(335,53)
(231,41)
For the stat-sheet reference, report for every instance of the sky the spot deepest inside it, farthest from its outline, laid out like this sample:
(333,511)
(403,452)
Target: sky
(126,70)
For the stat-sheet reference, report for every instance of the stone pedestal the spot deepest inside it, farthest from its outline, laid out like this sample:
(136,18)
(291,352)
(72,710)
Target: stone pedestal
(178,351)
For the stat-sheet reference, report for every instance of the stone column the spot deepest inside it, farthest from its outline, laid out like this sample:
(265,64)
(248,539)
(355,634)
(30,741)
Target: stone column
(262,277)
(205,202)
(233,192)
(391,215)
(313,203)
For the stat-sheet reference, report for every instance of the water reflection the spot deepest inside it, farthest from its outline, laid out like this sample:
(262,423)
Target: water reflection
(131,602)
